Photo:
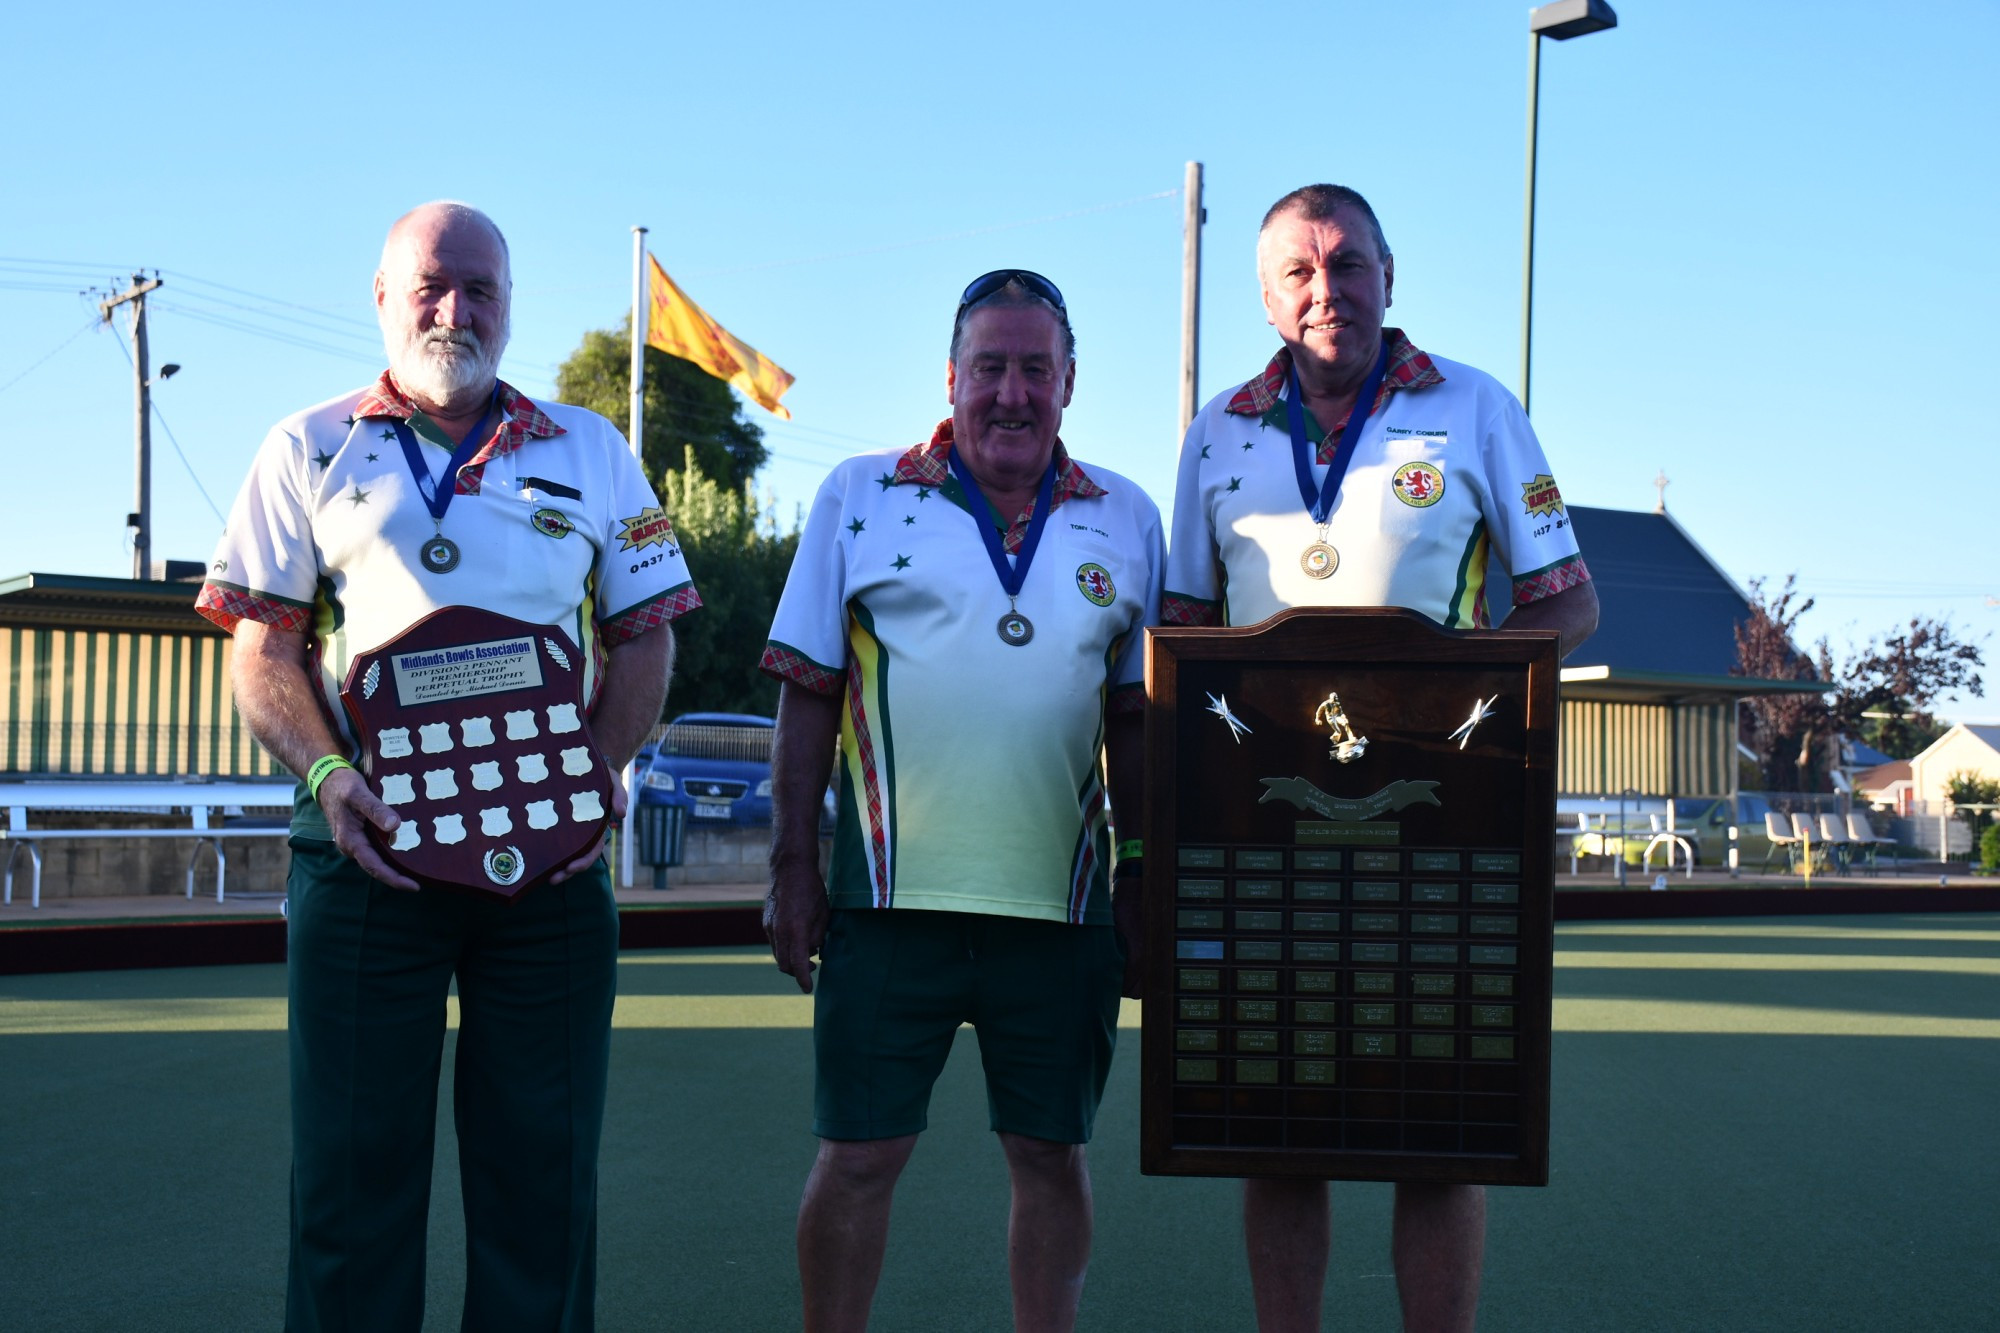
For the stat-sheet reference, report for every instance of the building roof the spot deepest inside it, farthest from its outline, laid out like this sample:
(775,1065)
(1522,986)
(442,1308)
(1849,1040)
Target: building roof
(77,601)
(1986,733)
(1667,615)
(1882,776)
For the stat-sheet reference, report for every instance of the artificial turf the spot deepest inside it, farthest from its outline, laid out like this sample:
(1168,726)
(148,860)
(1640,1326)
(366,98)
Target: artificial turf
(1758,1124)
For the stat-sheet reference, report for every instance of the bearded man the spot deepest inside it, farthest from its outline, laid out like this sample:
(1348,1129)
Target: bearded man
(440,485)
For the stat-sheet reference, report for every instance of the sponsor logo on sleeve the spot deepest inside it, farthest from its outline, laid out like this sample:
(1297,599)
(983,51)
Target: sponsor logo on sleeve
(1418,485)
(1094,582)
(552,523)
(650,528)
(1541,496)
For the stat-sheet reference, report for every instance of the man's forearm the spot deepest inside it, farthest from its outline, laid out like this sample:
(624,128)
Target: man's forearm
(1572,613)
(801,762)
(635,690)
(277,699)
(1125,776)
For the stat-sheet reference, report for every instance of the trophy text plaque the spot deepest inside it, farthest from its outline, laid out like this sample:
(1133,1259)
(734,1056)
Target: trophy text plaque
(473,730)
(1350,826)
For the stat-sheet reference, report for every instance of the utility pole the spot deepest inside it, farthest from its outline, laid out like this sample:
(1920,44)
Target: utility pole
(140,520)
(1191,292)
(641,306)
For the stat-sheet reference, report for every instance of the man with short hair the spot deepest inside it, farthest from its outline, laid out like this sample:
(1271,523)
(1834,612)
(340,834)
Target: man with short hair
(1355,470)
(440,485)
(965,618)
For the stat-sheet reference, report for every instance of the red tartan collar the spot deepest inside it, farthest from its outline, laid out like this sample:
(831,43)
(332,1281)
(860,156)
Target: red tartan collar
(524,421)
(1408,369)
(928,464)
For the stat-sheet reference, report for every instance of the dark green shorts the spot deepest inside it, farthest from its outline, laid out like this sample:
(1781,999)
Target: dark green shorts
(896,983)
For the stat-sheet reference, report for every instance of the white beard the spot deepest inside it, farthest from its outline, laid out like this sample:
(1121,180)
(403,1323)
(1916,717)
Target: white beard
(441,365)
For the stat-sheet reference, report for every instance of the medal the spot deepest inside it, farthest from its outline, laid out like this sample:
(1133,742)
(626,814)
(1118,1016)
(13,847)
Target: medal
(1015,629)
(1319,560)
(440,554)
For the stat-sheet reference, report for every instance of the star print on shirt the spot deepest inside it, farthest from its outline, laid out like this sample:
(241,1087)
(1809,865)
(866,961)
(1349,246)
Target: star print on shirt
(388,434)
(923,492)
(1236,483)
(857,526)
(1204,451)
(359,498)
(1248,445)
(909,519)
(322,458)
(902,562)
(373,457)
(886,480)
(348,421)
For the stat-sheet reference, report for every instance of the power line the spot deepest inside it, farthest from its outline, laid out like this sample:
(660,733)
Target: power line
(120,340)
(88,325)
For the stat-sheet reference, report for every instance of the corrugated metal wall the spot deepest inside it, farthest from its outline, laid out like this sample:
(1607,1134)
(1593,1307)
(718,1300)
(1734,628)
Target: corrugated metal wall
(1654,749)
(121,702)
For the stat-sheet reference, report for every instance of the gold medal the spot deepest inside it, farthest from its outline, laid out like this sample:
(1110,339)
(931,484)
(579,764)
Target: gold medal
(1319,561)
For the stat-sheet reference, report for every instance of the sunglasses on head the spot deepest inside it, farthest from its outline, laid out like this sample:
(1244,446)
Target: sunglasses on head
(986,284)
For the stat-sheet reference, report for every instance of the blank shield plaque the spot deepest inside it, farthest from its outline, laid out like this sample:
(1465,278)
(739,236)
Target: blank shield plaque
(473,731)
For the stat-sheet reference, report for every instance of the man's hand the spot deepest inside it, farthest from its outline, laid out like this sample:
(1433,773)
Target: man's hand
(349,808)
(582,863)
(1128,915)
(795,915)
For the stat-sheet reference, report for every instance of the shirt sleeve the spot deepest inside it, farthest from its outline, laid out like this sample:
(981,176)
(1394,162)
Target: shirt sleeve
(641,579)
(1528,523)
(808,643)
(1128,672)
(266,566)
(1192,591)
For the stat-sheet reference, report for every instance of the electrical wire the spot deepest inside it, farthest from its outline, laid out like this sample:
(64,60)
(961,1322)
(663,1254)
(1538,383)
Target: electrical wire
(119,338)
(88,325)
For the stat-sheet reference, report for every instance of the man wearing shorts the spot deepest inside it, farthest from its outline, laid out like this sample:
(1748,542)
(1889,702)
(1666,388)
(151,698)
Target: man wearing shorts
(964,622)
(1424,475)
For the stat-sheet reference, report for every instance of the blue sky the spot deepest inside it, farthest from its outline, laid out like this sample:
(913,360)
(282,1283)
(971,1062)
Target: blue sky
(1766,260)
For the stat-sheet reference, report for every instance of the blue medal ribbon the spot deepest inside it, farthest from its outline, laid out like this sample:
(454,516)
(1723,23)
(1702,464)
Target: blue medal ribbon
(437,495)
(1320,504)
(1014,576)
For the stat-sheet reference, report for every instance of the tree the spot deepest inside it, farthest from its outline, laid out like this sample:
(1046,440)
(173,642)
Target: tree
(1785,731)
(688,412)
(1968,788)
(739,561)
(1887,690)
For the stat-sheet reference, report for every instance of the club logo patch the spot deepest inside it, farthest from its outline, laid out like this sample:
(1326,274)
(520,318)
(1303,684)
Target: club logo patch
(1541,496)
(504,865)
(652,528)
(1418,485)
(1094,582)
(552,523)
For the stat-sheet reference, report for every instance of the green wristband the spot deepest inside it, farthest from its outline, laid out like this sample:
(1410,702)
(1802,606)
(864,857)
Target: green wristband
(321,771)
(1130,849)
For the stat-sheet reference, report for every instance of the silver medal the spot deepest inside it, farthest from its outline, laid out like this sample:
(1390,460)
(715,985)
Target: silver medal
(1016,629)
(440,554)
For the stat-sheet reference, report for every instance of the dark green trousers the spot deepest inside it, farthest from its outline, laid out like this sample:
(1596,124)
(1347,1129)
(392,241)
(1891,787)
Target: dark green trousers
(370,968)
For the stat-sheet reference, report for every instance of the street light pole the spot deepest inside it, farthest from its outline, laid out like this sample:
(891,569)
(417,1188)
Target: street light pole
(1562,20)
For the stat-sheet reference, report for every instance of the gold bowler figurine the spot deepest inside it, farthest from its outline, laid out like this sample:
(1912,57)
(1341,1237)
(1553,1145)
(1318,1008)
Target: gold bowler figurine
(1347,746)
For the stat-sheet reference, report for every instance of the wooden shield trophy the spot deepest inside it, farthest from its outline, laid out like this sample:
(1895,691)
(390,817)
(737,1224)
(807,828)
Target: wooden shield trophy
(1350,833)
(473,730)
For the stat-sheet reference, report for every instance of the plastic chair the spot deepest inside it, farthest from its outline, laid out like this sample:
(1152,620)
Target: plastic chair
(1833,833)
(1863,835)
(1781,836)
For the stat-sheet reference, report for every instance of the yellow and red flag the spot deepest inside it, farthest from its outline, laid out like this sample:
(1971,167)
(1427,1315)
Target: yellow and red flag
(679,327)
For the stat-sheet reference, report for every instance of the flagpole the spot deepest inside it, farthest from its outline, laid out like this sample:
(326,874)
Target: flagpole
(626,849)
(638,412)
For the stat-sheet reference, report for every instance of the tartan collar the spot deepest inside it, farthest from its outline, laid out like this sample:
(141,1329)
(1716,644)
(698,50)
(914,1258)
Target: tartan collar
(522,420)
(929,464)
(1408,369)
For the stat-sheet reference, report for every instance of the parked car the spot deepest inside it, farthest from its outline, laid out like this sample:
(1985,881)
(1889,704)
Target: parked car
(716,766)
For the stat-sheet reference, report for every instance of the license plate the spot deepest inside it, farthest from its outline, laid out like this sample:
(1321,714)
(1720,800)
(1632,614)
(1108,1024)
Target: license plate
(709,810)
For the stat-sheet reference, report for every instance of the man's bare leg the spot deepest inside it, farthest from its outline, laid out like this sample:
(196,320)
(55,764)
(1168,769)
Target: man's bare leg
(1287,1227)
(844,1228)
(1440,1244)
(1048,1231)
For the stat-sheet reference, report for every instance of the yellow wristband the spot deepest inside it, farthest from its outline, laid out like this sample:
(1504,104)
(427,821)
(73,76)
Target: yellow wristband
(1130,849)
(321,771)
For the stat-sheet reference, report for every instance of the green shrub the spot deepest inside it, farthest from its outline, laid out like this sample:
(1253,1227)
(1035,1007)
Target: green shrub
(1989,848)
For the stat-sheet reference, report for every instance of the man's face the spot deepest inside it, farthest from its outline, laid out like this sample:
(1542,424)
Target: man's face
(1326,287)
(442,297)
(1008,390)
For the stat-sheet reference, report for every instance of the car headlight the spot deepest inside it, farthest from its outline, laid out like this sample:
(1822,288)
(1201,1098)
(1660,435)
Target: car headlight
(660,781)
(764,787)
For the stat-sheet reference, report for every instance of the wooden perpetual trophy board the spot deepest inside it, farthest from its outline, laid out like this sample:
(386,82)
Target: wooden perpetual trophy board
(1348,900)
(473,730)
